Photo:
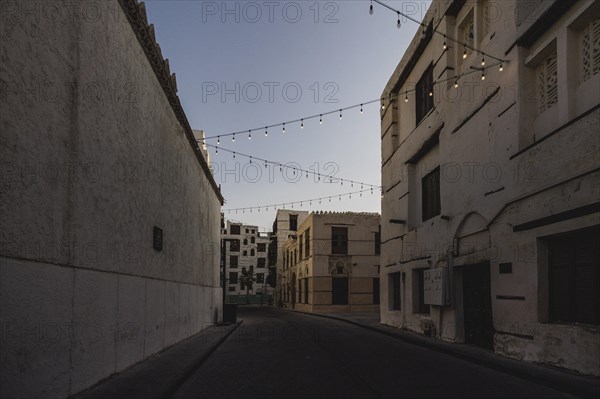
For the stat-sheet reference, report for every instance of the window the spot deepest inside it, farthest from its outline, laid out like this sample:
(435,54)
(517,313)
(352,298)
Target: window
(394,285)
(419,305)
(339,240)
(233,278)
(253,231)
(295,256)
(252,252)
(307,243)
(305,290)
(233,261)
(247,231)
(261,262)
(245,253)
(231,289)
(430,195)
(245,241)
(299,290)
(486,15)
(293,222)
(253,240)
(574,277)
(376,291)
(235,229)
(260,278)
(424,94)
(467,35)
(300,247)
(590,48)
(261,247)
(547,83)
(378,242)
(234,246)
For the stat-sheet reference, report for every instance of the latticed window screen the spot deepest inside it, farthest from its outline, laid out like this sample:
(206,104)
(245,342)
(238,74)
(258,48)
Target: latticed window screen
(486,16)
(590,50)
(547,83)
(468,34)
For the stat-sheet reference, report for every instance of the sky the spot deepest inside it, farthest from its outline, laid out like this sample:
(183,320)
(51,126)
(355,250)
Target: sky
(243,65)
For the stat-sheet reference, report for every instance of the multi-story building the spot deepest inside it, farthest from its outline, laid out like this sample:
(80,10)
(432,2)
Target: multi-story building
(245,249)
(332,263)
(285,225)
(490,218)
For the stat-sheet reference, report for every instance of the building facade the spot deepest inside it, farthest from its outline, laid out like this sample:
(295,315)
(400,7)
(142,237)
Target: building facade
(109,213)
(490,218)
(245,249)
(332,263)
(285,225)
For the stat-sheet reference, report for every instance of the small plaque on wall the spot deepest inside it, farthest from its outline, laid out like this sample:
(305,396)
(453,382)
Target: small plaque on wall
(158,239)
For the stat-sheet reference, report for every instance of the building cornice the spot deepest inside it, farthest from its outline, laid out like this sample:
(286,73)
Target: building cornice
(136,15)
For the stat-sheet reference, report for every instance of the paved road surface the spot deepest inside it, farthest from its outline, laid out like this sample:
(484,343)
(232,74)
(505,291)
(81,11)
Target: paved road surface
(278,354)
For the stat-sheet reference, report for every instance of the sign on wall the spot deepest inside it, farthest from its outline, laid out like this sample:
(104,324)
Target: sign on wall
(434,286)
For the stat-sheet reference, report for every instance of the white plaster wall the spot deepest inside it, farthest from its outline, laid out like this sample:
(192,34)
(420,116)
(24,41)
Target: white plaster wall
(86,174)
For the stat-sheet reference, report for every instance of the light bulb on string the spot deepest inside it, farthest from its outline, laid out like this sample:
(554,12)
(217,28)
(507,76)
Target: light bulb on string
(371,8)
(283,130)
(456,83)
(399,24)
(321,119)
(250,159)
(445,44)
(233,138)
(216,151)
(301,123)
(406,97)
(340,114)
(483,61)
(501,68)
(361,109)
(234,155)
(218,140)
(465,54)
(266,132)
(382,103)
(249,134)
(483,75)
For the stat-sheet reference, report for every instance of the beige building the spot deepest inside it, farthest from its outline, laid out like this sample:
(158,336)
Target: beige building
(332,263)
(245,247)
(285,225)
(491,210)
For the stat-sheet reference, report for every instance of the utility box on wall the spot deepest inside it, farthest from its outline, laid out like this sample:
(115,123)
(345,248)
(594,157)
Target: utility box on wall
(435,287)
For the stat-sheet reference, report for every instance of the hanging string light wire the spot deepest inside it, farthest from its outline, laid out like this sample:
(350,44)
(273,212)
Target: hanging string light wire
(359,106)
(446,37)
(300,203)
(295,169)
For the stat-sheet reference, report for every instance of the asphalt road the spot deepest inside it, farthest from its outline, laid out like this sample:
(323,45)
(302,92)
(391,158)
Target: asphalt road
(278,354)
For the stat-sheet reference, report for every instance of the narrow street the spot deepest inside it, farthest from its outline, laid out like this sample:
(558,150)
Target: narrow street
(281,354)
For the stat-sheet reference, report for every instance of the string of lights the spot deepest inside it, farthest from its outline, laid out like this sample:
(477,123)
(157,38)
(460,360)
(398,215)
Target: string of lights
(321,116)
(301,203)
(294,169)
(444,35)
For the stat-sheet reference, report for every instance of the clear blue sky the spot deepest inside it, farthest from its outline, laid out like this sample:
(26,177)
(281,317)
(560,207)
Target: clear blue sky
(335,53)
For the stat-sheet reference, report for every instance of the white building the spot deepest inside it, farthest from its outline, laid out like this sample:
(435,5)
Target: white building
(493,182)
(245,248)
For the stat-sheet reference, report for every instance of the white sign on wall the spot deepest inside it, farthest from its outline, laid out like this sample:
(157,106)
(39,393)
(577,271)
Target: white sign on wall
(434,285)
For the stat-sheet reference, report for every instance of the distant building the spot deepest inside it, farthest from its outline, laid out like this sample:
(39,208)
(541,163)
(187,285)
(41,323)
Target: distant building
(285,225)
(490,219)
(244,249)
(332,263)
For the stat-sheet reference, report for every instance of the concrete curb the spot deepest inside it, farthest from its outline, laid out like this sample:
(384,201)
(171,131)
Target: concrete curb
(585,387)
(161,375)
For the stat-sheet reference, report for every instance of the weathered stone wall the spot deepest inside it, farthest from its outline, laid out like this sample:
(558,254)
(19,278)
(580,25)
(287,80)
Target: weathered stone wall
(93,157)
